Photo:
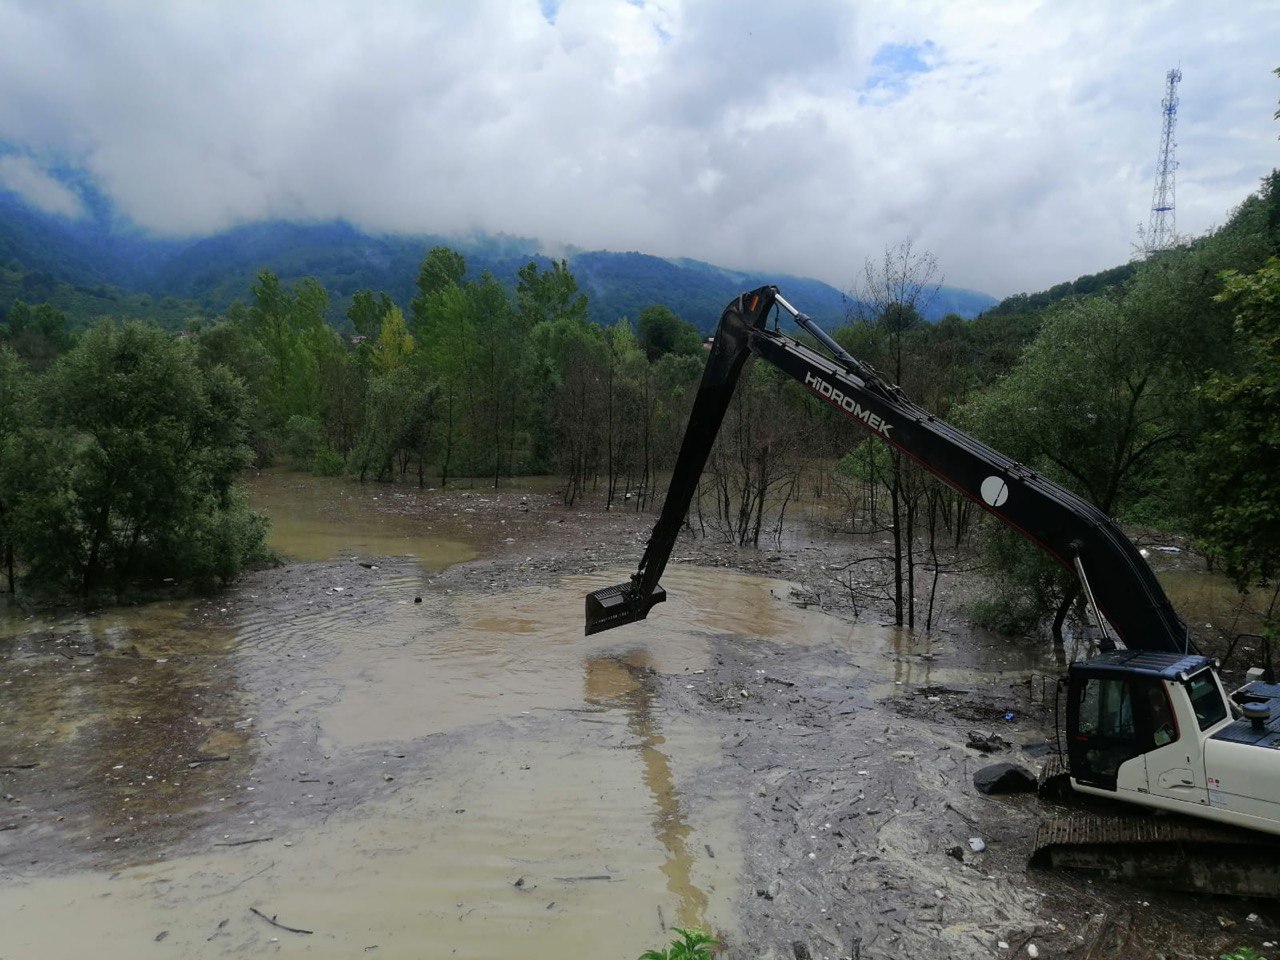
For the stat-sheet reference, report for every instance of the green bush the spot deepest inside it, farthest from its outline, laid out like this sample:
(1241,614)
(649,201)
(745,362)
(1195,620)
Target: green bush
(690,945)
(328,463)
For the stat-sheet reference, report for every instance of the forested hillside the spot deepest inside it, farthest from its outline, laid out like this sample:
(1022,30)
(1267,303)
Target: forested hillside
(95,267)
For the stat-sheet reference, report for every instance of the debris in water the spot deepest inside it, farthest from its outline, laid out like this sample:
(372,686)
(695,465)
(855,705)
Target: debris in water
(276,923)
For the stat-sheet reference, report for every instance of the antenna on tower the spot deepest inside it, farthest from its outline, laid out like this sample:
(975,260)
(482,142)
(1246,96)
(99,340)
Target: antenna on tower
(1162,229)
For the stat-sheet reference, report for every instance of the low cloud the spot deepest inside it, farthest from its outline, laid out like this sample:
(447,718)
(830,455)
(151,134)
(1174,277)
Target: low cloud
(23,176)
(1015,141)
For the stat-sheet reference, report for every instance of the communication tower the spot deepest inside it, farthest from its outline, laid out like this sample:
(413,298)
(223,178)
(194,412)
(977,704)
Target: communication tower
(1162,230)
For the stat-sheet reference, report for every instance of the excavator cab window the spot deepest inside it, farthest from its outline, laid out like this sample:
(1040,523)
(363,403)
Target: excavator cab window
(1113,719)
(1206,699)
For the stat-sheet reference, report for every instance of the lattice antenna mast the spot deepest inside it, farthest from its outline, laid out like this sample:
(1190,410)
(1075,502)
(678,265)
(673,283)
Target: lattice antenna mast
(1162,231)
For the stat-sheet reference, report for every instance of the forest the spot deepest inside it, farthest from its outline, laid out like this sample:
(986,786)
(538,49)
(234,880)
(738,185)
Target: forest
(1152,389)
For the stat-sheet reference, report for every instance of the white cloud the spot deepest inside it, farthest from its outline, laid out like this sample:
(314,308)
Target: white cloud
(24,176)
(753,134)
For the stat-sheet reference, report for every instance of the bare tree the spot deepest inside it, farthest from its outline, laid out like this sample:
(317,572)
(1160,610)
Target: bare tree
(891,296)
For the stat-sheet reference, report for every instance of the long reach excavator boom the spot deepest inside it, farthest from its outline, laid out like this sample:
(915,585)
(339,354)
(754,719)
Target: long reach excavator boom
(1114,574)
(1150,725)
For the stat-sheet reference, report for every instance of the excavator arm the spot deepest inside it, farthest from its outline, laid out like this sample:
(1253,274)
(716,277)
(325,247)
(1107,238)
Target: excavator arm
(1071,530)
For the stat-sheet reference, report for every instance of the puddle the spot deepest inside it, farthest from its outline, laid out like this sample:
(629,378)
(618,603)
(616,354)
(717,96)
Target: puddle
(323,518)
(1201,598)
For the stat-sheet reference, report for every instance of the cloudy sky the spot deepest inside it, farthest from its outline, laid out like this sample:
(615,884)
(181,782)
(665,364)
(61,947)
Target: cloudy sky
(1017,141)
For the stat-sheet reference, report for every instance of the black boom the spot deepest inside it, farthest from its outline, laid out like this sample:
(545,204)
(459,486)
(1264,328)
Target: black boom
(1070,529)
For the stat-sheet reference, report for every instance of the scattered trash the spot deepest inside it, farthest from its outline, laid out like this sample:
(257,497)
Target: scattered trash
(987,742)
(1033,950)
(977,844)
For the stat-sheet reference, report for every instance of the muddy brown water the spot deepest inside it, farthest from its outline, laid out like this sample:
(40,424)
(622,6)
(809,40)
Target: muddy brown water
(549,820)
(504,786)
(465,776)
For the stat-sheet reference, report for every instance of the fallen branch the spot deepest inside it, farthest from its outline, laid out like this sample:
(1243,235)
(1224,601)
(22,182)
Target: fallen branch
(18,766)
(276,923)
(241,843)
(599,876)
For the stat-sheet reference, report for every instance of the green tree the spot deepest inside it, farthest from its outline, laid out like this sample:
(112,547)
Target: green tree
(38,334)
(136,472)
(661,332)
(16,416)
(399,426)
(441,268)
(395,344)
(444,322)
(1240,454)
(546,295)
(368,311)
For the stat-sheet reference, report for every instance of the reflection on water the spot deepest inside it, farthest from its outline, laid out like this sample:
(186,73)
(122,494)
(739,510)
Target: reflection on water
(619,681)
(115,710)
(323,518)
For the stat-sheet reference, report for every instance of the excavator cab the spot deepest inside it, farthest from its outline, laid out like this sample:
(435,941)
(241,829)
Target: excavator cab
(1132,703)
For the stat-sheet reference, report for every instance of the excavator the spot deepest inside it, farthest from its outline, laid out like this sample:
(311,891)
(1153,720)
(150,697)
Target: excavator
(1148,721)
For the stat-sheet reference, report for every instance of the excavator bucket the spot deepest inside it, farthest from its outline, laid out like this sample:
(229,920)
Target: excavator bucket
(614,606)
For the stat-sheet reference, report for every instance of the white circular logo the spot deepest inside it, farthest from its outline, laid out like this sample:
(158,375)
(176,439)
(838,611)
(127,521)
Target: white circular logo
(994,491)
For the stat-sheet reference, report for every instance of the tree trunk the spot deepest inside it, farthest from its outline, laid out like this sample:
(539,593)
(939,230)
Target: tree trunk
(1060,616)
(895,503)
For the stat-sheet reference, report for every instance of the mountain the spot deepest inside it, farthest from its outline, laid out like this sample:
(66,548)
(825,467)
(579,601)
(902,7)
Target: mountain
(98,265)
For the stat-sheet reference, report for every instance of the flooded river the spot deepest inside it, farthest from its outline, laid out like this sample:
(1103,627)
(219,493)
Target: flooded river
(350,757)
(463,775)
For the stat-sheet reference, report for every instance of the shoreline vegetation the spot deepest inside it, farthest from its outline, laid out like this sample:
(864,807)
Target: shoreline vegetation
(121,447)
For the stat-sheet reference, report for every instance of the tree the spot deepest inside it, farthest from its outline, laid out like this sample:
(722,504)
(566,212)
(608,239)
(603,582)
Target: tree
(15,418)
(546,295)
(1240,454)
(575,362)
(395,344)
(38,334)
(891,297)
(441,268)
(661,332)
(399,425)
(367,312)
(134,474)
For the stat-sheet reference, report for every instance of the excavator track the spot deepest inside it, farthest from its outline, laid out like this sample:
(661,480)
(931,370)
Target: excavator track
(1172,852)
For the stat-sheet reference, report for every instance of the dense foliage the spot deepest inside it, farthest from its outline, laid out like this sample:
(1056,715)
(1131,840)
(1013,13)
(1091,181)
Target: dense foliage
(118,465)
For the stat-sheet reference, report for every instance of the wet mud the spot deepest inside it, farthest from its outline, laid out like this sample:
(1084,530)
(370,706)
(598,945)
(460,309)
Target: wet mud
(420,757)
